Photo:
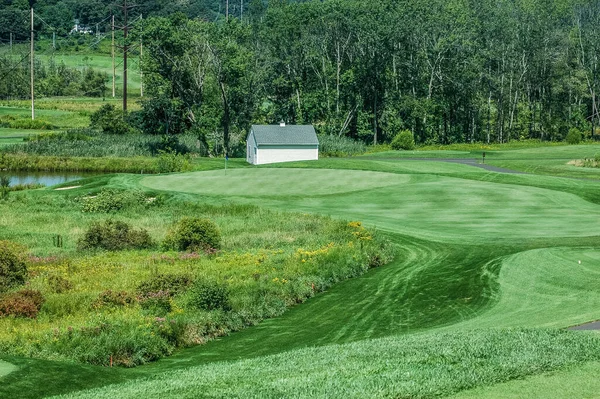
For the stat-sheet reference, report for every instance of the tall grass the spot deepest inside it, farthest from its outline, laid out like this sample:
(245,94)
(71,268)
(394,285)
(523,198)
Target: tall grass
(340,146)
(89,143)
(269,262)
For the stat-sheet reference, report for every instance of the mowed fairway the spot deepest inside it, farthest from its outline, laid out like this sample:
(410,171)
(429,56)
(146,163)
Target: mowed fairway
(6,368)
(426,206)
(490,270)
(274,182)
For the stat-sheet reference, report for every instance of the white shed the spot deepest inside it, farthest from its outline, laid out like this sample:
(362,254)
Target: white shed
(281,143)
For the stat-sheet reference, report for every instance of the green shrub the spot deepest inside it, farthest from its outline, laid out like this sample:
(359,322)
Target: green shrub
(110,120)
(114,235)
(109,200)
(208,295)
(193,234)
(403,141)
(574,136)
(171,162)
(13,269)
(24,303)
(172,283)
(112,299)
(156,303)
(59,284)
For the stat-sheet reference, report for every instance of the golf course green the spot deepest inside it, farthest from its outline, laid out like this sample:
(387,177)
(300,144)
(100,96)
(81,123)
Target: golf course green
(6,368)
(490,270)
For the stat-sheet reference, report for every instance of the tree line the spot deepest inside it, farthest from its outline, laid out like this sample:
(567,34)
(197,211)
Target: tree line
(447,70)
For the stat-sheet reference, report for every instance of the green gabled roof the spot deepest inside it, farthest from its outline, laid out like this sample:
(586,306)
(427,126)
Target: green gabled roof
(285,135)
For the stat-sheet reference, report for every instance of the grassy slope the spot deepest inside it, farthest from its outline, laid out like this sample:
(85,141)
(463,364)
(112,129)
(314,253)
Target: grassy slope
(574,382)
(418,366)
(434,283)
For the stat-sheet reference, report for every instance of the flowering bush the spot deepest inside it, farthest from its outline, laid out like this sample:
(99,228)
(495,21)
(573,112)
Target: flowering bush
(24,303)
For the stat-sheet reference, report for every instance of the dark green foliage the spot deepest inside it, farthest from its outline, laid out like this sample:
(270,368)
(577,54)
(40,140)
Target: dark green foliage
(108,200)
(163,116)
(24,303)
(59,284)
(574,136)
(111,299)
(13,270)
(192,234)
(113,235)
(208,295)
(110,120)
(92,143)
(171,283)
(403,141)
(4,187)
(93,83)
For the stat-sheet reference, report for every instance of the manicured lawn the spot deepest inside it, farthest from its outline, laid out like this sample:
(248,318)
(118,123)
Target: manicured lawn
(574,382)
(6,368)
(480,257)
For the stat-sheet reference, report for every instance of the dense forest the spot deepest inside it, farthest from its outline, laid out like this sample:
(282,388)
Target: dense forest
(447,70)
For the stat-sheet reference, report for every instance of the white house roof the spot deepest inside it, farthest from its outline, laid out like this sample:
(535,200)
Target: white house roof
(285,135)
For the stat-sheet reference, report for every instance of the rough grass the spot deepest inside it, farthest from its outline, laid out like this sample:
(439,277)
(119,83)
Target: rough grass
(420,366)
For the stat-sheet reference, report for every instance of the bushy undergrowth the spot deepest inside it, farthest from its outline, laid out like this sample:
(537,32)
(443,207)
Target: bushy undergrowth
(137,306)
(193,234)
(24,303)
(91,143)
(209,295)
(27,162)
(13,270)
(340,146)
(166,282)
(111,200)
(114,235)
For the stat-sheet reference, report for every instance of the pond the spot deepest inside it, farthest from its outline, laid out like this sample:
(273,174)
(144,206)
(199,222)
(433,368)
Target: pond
(43,178)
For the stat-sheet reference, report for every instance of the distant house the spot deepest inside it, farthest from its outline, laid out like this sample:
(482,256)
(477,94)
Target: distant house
(86,30)
(281,143)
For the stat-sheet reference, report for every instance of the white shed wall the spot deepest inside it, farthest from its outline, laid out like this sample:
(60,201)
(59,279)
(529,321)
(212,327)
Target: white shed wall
(251,149)
(286,154)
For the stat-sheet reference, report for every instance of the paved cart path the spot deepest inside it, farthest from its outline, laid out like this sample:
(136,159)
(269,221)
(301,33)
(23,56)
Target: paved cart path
(595,325)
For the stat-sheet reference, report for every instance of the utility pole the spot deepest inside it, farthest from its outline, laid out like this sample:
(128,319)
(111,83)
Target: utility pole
(54,40)
(31,2)
(11,42)
(241,9)
(113,56)
(227,10)
(125,49)
(140,59)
